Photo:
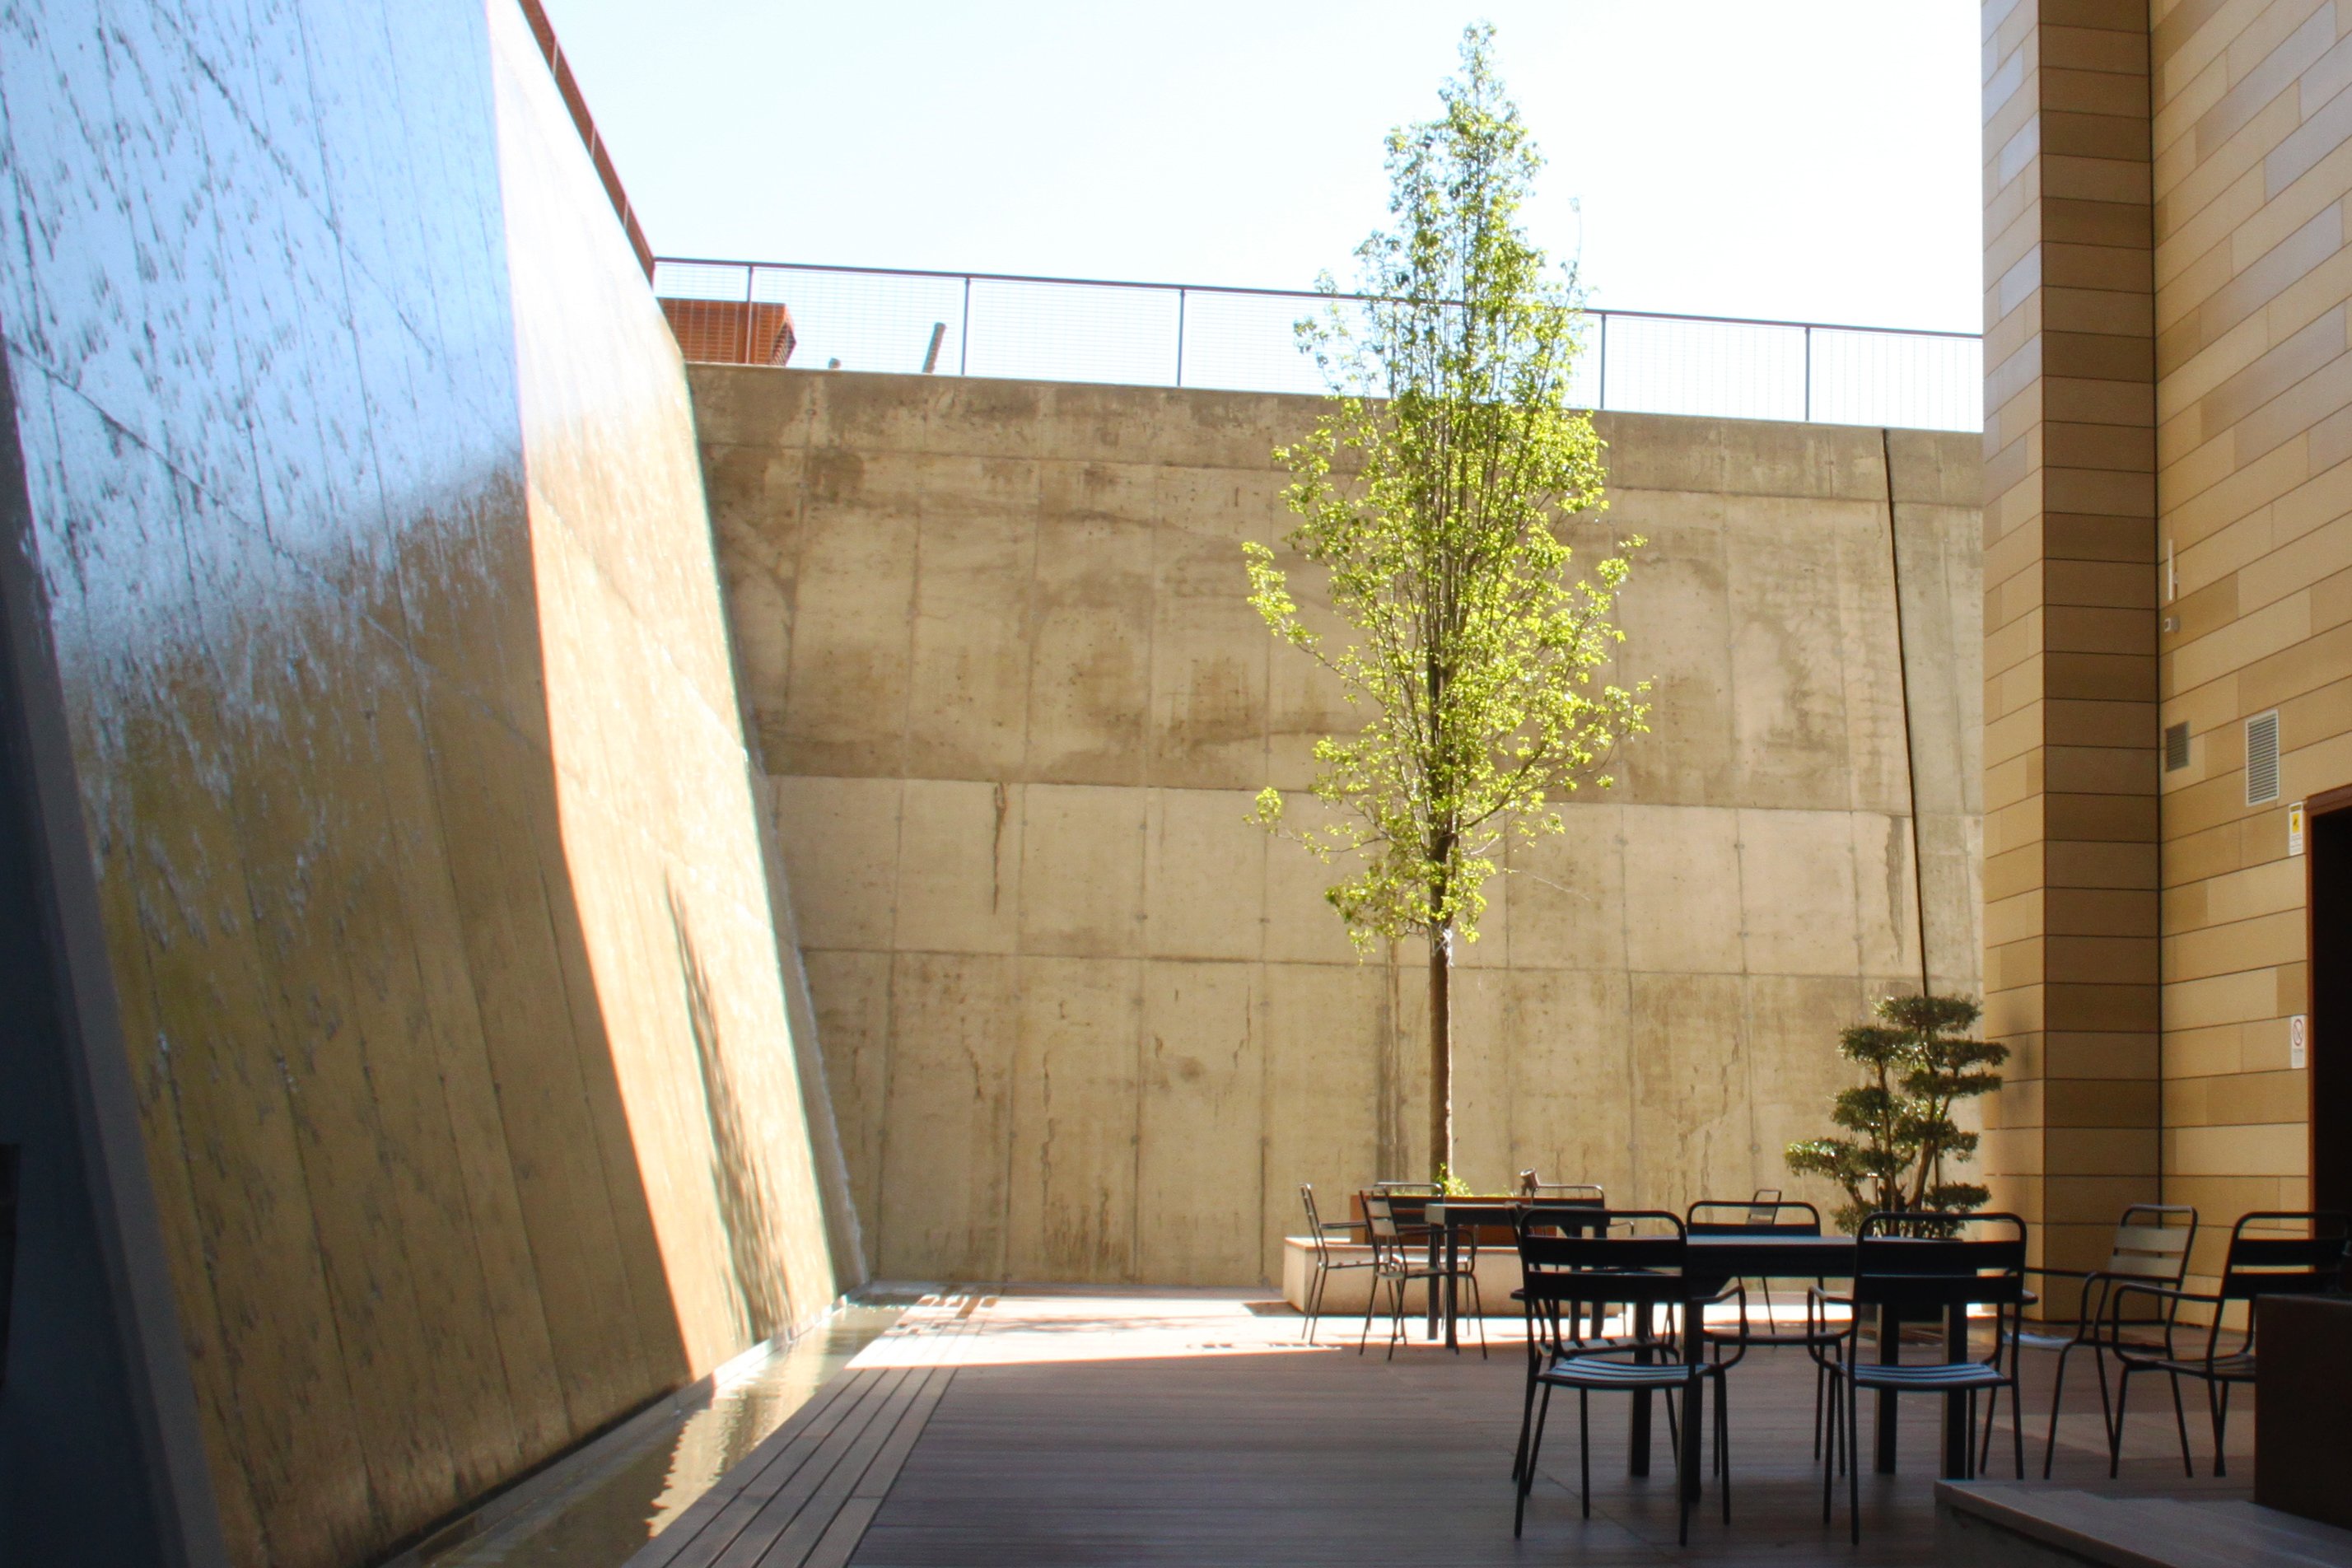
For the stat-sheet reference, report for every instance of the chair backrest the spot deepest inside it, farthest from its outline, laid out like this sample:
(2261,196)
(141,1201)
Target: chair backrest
(1629,1258)
(2149,1246)
(1531,1187)
(1923,1261)
(1756,1217)
(1761,1204)
(2281,1252)
(1314,1221)
(1379,1217)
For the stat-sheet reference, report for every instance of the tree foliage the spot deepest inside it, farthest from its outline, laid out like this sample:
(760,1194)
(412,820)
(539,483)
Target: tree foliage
(1920,1062)
(1433,492)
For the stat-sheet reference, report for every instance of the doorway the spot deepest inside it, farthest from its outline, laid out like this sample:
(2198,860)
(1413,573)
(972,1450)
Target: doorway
(2328,855)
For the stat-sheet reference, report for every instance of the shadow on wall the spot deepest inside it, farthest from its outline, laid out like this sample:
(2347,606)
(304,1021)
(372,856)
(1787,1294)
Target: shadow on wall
(764,1303)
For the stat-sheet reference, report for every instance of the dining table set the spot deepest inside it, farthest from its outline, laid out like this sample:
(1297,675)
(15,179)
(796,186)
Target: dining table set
(1656,1303)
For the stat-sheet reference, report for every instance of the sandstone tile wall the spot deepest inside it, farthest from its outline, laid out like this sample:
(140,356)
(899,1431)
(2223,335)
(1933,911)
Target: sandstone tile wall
(2166,297)
(2070,652)
(1084,1022)
(2252,172)
(383,598)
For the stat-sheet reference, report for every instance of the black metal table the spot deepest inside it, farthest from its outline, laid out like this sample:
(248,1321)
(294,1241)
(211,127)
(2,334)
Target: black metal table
(1724,1259)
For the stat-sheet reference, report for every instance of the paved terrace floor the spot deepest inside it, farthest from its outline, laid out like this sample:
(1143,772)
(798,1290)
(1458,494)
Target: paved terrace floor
(1037,1425)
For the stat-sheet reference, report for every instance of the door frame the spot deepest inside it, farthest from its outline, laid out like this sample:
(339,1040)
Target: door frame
(2320,803)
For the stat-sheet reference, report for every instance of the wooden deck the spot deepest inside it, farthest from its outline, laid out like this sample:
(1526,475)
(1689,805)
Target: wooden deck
(1035,1426)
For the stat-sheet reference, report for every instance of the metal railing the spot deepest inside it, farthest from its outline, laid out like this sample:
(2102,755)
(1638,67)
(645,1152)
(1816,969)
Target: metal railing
(1240,340)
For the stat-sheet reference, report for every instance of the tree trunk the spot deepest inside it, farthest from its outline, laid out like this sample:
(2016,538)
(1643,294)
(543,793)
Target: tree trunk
(1441,1053)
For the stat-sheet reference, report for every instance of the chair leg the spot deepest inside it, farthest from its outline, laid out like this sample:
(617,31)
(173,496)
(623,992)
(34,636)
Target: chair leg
(1526,1420)
(1371,1302)
(1315,1298)
(1723,1444)
(2115,1431)
(1527,1477)
(1993,1414)
(2016,1423)
(2057,1397)
(1681,1483)
(1829,1456)
(1852,1465)
(2217,1400)
(1584,1450)
(1820,1383)
(2181,1419)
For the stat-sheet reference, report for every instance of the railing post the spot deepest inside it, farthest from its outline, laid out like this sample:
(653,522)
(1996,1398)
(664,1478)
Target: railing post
(1603,400)
(750,306)
(1180,336)
(963,331)
(1809,376)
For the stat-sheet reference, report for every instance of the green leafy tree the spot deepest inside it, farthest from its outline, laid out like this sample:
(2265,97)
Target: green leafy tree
(1920,1062)
(1433,493)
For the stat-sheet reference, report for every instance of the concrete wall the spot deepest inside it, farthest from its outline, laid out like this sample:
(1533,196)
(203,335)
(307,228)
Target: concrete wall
(2167,285)
(1084,1022)
(383,595)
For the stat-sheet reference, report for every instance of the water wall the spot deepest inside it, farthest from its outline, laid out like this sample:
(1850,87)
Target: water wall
(426,839)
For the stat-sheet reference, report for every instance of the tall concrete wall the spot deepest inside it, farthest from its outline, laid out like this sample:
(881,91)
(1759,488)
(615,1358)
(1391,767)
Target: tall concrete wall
(1084,1022)
(427,837)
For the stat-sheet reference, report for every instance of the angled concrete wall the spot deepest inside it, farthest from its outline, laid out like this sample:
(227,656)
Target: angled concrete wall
(429,845)
(1084,1022)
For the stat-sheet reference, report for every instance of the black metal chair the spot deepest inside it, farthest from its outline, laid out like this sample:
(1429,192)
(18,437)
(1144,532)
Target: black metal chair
(1632,1259)
(2147,1247)
(1762,1216)
(1911,1265)
(1400,1257)
(2265,1258)
(1322,1232)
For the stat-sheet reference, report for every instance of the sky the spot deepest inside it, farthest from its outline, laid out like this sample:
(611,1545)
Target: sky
(1808,160)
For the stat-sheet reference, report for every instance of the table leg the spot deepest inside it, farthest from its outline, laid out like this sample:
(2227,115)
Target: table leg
(1890,1351)
(1452,1286)
(1694,1400)
(1958,1439)
(1637,1461)
(1428,1286)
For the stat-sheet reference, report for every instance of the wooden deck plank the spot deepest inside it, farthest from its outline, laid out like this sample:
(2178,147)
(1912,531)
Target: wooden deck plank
(662,1552)
(859,1413)
(789,1529)
(1115,1433)
(735,1536)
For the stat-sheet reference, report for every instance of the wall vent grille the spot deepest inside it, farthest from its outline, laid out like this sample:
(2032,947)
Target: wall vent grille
(2176,748)
(2262,758)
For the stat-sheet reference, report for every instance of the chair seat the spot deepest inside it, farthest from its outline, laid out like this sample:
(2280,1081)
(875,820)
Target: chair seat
(1941,1376)
(2239,1368)
(1823,1338)
(1591,1372)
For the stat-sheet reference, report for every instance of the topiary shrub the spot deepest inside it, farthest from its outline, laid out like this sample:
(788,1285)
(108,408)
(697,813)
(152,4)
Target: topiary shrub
(1921,1060)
